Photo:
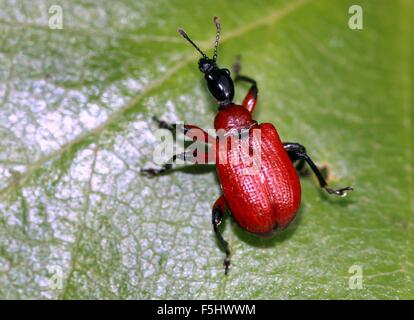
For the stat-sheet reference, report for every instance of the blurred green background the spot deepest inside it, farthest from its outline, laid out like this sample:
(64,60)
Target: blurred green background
(78,221)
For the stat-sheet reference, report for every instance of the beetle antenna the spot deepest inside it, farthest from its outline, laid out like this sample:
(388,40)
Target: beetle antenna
(185,36)
(218,27)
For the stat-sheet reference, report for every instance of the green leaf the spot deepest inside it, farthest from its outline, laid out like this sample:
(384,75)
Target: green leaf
(77,219)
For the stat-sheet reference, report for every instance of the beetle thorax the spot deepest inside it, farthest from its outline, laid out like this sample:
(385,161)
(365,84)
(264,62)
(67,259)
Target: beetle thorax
(232,116)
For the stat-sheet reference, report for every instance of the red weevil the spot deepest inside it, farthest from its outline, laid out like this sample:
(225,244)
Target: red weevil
(258,202)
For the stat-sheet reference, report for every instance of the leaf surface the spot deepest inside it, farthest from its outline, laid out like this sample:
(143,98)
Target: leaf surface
(75,127)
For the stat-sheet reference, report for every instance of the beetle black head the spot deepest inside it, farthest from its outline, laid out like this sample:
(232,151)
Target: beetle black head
(219,81)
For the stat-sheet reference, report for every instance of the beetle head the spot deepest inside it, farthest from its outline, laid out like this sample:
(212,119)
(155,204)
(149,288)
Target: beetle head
(219,81)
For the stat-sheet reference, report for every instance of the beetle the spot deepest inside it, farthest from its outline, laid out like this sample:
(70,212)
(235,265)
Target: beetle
(260,202)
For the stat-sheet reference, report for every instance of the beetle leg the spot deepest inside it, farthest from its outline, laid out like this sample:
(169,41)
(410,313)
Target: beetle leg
(237,65)
(186,129)
(192,156)
(218,211)
(298,152)
(250,100)
(299,162)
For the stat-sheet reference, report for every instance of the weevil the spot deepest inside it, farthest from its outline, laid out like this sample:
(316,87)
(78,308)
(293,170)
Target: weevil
(259,202)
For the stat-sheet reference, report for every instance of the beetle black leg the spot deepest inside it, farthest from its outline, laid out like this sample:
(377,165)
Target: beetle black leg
(237,65)
(217,217)
(250,100)
(184,128)
(193,156)
(164,125)
(168,165)
(249,80)
(298,152)
(299,162)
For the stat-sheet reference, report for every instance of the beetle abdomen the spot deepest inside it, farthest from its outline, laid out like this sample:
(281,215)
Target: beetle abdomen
(261,199)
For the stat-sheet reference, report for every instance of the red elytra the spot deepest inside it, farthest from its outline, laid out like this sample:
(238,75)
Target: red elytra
(258,202)
(270,197)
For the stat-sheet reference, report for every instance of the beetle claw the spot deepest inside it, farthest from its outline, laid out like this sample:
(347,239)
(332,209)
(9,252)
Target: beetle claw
(148,172)
(340,192)
(151,172)
(163,124)
(226,264)
(227,261)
